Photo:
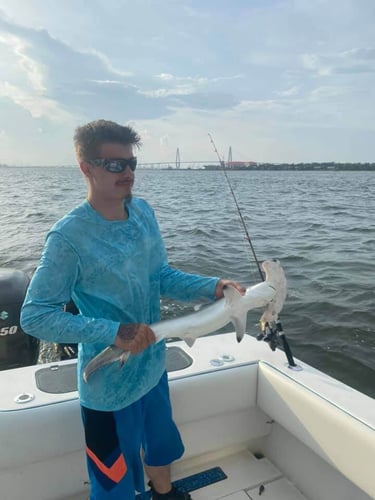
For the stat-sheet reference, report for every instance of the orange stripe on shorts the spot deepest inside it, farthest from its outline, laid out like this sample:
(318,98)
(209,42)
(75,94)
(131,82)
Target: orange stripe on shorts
(116,472)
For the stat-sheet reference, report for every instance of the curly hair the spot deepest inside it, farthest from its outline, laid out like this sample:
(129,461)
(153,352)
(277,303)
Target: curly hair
(88,138)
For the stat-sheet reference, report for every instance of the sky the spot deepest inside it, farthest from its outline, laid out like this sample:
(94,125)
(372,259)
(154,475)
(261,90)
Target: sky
(275,80)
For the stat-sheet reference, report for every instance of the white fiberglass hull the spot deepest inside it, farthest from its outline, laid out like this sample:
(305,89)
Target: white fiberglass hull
(314,436)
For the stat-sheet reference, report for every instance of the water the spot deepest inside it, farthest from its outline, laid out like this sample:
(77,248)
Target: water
(321,225)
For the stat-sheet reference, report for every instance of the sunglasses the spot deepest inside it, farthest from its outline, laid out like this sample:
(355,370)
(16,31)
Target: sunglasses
(115,165)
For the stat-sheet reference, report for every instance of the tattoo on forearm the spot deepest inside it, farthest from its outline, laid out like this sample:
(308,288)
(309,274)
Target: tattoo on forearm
(127,332)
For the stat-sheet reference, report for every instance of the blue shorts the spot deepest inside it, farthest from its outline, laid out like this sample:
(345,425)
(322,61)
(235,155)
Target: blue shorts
(114,441)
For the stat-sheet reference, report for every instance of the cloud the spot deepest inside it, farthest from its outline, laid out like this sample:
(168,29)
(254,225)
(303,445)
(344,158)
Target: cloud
(328,92)
(269,69)
(208,101)
(262,105)
(355,60)
(165,141)
(62,81)
(364,53)
(200,92)
(37,106)
(289,92)
(27,65)
(180,90)
(165,76)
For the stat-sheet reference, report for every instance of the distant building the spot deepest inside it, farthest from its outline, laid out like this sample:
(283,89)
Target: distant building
(241,164)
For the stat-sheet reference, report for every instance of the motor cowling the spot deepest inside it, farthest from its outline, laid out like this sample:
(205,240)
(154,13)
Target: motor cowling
(16,347)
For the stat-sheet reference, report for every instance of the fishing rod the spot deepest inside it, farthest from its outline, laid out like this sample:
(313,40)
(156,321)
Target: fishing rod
(222,163)
(268,333)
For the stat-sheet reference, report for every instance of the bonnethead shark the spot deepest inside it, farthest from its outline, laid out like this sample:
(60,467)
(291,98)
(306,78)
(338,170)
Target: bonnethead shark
(232,308)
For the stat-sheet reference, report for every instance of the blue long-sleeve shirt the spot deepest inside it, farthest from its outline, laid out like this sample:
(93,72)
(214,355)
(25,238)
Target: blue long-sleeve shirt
(115,272)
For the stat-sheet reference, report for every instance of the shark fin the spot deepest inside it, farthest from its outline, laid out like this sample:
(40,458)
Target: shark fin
(240,326)
(231,294)
(190,341)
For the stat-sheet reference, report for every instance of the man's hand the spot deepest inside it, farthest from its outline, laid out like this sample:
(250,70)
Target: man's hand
(134,337)
(221,284)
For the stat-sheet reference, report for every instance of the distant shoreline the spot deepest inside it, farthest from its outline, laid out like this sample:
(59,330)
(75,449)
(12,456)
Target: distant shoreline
(300,166)
(324,166)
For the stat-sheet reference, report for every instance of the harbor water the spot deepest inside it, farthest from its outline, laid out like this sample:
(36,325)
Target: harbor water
(319,224)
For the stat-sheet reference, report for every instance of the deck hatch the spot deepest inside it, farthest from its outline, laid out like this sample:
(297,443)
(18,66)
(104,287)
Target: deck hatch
(62,378)
(57,379)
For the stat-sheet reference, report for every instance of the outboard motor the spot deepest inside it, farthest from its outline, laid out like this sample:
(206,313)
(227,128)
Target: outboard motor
(16,347)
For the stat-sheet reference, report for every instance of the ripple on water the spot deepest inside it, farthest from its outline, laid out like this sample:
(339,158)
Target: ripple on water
(321,225)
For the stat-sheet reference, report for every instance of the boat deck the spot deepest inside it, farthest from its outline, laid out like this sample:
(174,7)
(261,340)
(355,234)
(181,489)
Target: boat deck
(247,478)
(316,433)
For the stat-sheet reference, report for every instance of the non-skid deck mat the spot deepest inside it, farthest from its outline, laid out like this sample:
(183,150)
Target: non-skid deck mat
(194,482)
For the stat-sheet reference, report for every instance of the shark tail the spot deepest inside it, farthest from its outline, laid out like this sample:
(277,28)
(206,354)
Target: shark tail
(106,357)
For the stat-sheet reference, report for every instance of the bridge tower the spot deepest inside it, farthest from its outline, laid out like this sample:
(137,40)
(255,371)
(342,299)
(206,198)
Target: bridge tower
(178,162)
(229,157)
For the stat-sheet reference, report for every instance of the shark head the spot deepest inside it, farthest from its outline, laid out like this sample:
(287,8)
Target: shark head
(275,277)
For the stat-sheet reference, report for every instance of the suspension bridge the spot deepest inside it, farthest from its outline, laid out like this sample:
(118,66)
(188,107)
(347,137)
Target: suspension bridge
(178,164)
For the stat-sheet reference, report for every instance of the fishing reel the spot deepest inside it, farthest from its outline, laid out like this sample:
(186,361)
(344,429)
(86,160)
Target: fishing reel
(270,332)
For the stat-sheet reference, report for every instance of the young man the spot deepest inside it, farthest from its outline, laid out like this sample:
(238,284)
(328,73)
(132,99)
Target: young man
(107,255)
